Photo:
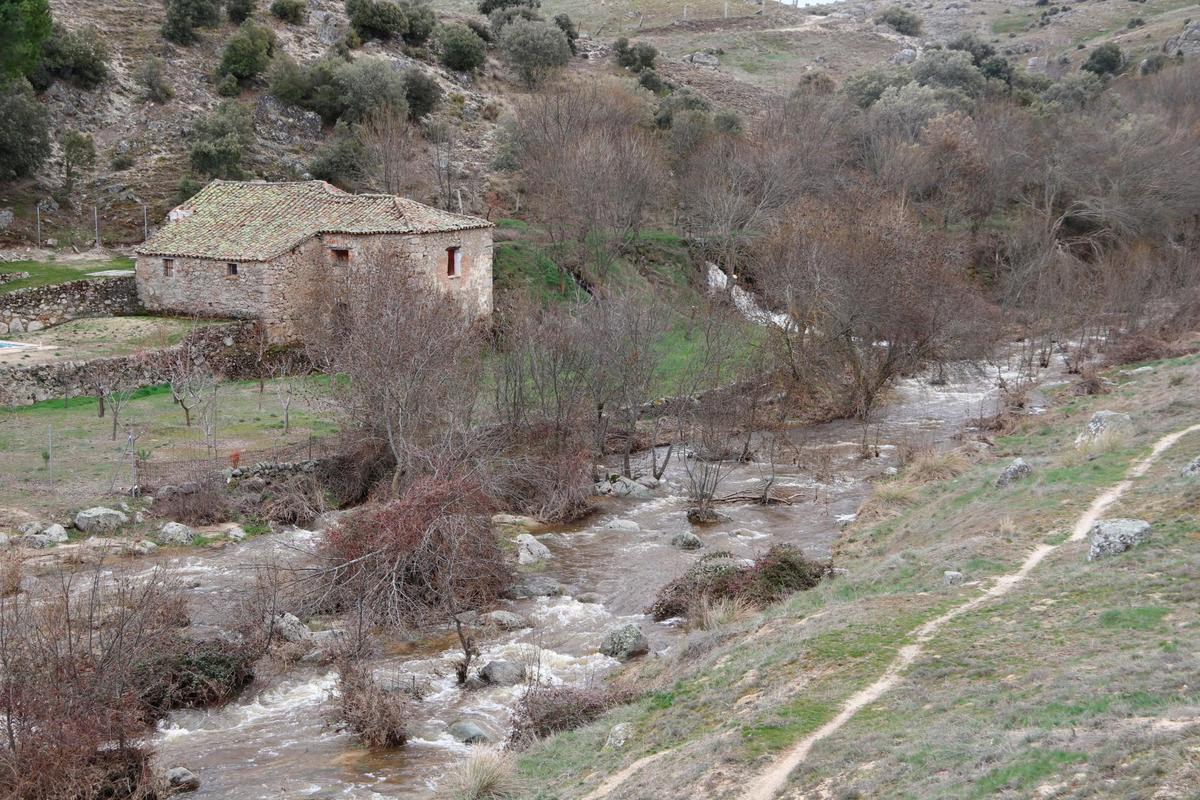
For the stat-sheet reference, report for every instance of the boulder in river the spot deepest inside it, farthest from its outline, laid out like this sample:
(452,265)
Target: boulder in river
(175,533)
(622,525)
(620,486)
(290,628)
(182,779)
(505,620)
(704,516)
(1105,426)
(1014,472)
(530,550)
(100,520)
(502,673)
(687,541)
(1112,536)
(537,586)
(468,732)
(625,642)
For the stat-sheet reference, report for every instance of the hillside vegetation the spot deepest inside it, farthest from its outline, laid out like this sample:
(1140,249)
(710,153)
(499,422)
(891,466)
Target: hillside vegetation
(1077,683)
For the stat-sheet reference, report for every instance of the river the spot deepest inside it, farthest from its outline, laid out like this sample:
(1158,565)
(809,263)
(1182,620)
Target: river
(276,741)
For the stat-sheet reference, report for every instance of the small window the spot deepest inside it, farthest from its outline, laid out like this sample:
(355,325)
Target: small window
(168,267)
(453,261)
(231,268)
(341,257)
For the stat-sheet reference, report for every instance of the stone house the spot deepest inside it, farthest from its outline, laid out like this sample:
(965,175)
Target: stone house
(255,250)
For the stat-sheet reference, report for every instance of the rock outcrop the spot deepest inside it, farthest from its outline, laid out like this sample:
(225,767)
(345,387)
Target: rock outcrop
(625,642)
(1112,536)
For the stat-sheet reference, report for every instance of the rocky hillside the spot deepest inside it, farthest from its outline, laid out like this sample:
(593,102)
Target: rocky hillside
(736,61)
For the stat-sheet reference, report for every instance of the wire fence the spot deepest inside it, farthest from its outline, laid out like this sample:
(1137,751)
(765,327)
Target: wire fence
(154,473)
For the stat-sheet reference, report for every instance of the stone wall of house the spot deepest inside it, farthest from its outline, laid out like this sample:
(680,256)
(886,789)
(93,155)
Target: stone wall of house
(281,292)
(229,350)
(42,306)
(203,287)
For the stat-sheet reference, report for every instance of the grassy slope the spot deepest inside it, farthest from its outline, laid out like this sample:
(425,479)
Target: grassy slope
(47,273)
(1067,679)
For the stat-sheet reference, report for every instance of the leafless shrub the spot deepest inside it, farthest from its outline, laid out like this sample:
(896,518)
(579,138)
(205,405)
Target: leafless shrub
(544,710)
(1136,348)
(203,502)
(377,715)
(421,558)
(1090,383)
(10,575)
(292,500)
(72,659)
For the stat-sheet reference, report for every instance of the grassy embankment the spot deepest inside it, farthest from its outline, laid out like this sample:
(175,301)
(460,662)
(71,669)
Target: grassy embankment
(48,273)
(1082,677)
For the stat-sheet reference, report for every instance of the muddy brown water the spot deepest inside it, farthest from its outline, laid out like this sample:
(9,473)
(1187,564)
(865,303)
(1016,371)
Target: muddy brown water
(276,740)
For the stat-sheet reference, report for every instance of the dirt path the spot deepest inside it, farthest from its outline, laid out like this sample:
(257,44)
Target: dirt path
(771,781)
(767,784)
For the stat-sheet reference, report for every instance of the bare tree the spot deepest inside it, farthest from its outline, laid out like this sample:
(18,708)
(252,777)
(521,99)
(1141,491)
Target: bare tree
(391,142)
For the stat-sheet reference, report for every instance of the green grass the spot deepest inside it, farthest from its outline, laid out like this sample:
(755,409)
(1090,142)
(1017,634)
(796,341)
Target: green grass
(49,273)
(1031,768)
(1142,618)
(798,718)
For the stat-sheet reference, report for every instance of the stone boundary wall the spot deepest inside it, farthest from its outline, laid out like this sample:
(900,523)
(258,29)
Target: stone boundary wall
(230,350)
(42,306)
(9,277)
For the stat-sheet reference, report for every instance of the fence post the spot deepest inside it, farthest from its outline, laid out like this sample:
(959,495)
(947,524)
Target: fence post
(39,223)
(146,214)
(96,221)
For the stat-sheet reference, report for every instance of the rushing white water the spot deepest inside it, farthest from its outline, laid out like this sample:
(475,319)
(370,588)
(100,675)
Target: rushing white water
(744,301)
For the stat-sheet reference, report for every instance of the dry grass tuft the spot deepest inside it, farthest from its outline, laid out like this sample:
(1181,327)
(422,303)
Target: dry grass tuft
(887,500)
(933,465)
(378,716)
(488,774)
(709,613)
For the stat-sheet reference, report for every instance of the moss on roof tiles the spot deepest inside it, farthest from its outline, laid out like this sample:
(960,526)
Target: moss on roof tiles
(257,221)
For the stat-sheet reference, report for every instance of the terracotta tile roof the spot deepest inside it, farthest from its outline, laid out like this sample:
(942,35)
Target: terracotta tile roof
(257,221)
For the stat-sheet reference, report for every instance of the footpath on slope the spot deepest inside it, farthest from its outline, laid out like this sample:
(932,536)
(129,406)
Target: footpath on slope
(768,783)
(771,781)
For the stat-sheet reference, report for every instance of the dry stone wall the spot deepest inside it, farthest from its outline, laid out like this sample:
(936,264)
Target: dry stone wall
(42,306)
(229,350)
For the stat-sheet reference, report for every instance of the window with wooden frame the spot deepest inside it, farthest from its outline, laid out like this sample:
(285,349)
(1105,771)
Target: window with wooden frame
(231,269)
(453,262)
(168,266)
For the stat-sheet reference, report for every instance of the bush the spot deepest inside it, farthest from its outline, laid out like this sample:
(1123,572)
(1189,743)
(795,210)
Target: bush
(339,90)
(240,10)
(637,57)
(24,131)
(376,19)
(421,21)
(727,122)
(248,52)
(781,571)
(196,675)
(649,79)
(899,20)
(121,161)
(949,69)
(184,16)
(865,88)
(1106,59)
(534,50)
(378,716)
(228,86)
(481,29)
(78,57)
(501,18)
(546,710)
(462,48)
(1074,92)
(683,100)
(486,774)
(343,159)
(293,12)
(418,559)
(486,7)
(220,140)
(24,28)
(568,28)
(421,92)
(980,50)
(78,153)
(151,75)
(367,85)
